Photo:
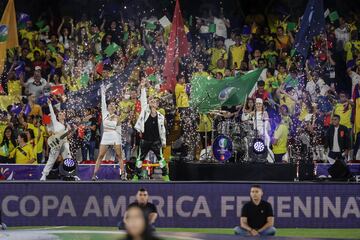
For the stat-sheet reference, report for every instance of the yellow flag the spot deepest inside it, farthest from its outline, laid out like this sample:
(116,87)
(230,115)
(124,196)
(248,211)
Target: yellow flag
(8,32)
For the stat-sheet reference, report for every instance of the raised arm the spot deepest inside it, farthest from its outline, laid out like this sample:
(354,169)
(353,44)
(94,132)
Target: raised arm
(143,97)
(104,111)
(52,113)
(102,27)
(72,34)
(22,121)
(59,28)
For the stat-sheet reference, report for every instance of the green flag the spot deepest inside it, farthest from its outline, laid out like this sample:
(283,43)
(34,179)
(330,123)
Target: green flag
(98,58)
(84,80)
(21,25)
(149,38)
(334,16)
(289,81)
(141,51)
(150,26)
(40,24)
(292,52)
(208,94)
(51,47)
(111,49)
(212,28)
(126,36)
(153,78)
(5,150)
(45,29)
(291,26)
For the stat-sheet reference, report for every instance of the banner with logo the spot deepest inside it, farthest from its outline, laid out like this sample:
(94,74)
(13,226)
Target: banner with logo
(310,205)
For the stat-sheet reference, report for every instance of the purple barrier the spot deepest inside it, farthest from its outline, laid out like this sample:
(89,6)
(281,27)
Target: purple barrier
(33,172)
(321,169)
(311,205)
(110,171)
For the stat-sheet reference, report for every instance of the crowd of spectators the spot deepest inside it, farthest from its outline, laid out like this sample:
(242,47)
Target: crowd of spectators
(54,61)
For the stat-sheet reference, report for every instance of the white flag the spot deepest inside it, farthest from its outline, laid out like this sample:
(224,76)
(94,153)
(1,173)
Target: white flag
(164,21)
(326,13)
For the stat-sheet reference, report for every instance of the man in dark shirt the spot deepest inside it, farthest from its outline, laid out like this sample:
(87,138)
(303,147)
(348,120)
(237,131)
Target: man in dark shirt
(90,135)
(142,200)
(257,218)
(337,140)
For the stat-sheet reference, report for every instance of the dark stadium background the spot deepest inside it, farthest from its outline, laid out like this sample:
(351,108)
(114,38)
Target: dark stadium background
(233,9)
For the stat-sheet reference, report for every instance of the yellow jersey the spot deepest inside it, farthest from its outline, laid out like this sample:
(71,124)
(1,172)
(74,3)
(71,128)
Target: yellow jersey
(216,54)
(24,155)
(182,99)
(345,116)
(281,134)
(237,55)
(39,144)
(14,87)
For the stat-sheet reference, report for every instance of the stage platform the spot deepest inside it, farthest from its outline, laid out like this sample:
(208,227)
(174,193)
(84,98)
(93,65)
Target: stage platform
(192,171)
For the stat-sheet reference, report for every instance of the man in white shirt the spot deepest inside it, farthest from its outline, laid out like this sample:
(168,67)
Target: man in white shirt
(342,34)
(221,26)
(316,86)
(230,41)
(35,85)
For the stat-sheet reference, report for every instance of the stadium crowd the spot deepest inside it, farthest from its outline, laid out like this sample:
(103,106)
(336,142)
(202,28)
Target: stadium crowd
(299,103)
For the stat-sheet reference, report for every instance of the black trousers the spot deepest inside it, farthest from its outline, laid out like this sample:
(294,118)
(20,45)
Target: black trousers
(145,147)
(278,157)
(336,155)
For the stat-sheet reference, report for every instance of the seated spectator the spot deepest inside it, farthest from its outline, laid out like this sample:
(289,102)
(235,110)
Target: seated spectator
(257,217)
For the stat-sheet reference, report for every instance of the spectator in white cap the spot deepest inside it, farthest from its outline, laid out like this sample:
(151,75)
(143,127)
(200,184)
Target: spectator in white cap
(262,125)
(261,117)
(35,85)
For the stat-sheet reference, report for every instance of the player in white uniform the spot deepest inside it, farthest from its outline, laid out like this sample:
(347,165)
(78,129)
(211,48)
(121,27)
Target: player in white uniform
(57,126)
(111,134)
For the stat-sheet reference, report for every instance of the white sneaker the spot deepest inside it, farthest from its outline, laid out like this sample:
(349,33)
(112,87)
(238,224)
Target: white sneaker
(43,178)
(3,226)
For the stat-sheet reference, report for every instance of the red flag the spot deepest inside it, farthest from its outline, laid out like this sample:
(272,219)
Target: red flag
(100,68)
(178,46)
(57,90)
(46,119)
